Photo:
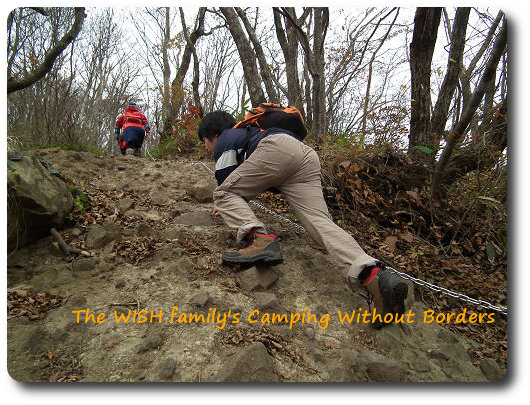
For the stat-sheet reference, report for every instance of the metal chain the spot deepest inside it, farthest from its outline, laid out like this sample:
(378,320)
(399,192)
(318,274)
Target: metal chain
(422,283)
(203,165)
(278,216)
(432,287)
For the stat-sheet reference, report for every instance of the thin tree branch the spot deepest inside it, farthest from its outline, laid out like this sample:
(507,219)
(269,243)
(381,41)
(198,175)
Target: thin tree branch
(47,64)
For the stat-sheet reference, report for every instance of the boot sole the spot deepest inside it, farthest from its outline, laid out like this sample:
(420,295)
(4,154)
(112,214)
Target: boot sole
(264,259)
(271,256)
(393,291)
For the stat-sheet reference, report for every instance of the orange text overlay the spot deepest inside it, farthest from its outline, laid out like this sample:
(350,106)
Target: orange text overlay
(220,319)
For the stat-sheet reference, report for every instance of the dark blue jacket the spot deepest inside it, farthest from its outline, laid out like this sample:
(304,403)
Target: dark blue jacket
(235,145)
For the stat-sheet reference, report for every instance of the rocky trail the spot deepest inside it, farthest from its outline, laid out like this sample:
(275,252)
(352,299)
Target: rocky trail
(153,252)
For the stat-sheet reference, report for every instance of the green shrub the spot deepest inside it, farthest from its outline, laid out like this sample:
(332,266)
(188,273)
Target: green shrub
(184,141)
(80,201)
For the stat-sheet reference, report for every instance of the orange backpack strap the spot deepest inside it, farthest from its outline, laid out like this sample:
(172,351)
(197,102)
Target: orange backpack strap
(252,117)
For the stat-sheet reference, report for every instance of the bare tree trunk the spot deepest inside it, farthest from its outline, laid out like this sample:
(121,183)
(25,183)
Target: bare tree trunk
(176,84)
(47,64)
(484,153)
(308,98)
(426,23)
(315,64)
(247,56)
(366,100)
(166,70)
(264,69)
(456,52)
(321,22)
(195,81)
(460,128)
(288,40)
(465,76)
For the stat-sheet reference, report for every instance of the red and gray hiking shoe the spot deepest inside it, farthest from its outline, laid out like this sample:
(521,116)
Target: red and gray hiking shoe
(260,249)
(388,291)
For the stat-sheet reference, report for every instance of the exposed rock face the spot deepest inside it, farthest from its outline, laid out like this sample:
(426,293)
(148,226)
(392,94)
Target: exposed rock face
(37,201)
(202,191)
(125,204)
(100,236)
(251,364)
(254,278)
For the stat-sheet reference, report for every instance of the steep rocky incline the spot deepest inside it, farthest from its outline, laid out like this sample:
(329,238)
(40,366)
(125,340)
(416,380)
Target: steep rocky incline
(153,256)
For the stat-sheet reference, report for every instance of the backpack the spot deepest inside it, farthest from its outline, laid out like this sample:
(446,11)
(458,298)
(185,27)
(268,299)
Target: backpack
(132,118)
(270,115)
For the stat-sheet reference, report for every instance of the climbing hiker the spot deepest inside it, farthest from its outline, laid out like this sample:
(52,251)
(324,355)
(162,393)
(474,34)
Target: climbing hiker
(135,129)
(251,160)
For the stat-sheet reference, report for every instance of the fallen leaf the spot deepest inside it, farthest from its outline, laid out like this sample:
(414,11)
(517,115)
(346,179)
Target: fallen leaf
(54,376)
(406,236)
(329,344)
(390,242)
(415,197)
(345,164)
(112,343)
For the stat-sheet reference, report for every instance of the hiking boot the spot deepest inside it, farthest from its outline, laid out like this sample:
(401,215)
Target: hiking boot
(260,249)
(129,151)
(388,291)
(137,152)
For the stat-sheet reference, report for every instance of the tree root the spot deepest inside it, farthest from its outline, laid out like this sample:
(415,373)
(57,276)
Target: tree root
(67,250)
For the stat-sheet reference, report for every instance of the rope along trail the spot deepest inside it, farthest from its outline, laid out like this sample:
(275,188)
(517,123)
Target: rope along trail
(422,283)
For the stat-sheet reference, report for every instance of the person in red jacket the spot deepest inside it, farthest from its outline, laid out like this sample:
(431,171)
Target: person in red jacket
(135,130)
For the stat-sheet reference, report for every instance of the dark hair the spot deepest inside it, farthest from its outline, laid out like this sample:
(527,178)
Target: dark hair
(214,123)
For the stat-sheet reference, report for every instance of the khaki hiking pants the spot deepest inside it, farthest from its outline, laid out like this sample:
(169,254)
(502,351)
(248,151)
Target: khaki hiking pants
(289,165)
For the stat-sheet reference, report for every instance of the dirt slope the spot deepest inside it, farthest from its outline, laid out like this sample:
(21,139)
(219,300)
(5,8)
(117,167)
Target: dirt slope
(153,247)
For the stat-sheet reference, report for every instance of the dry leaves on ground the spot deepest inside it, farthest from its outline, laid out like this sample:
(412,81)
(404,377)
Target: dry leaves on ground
(24,302)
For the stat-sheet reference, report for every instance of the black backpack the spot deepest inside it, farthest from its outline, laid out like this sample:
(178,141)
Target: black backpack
(269,115)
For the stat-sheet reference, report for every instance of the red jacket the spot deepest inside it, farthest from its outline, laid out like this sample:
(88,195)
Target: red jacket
(132,117)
